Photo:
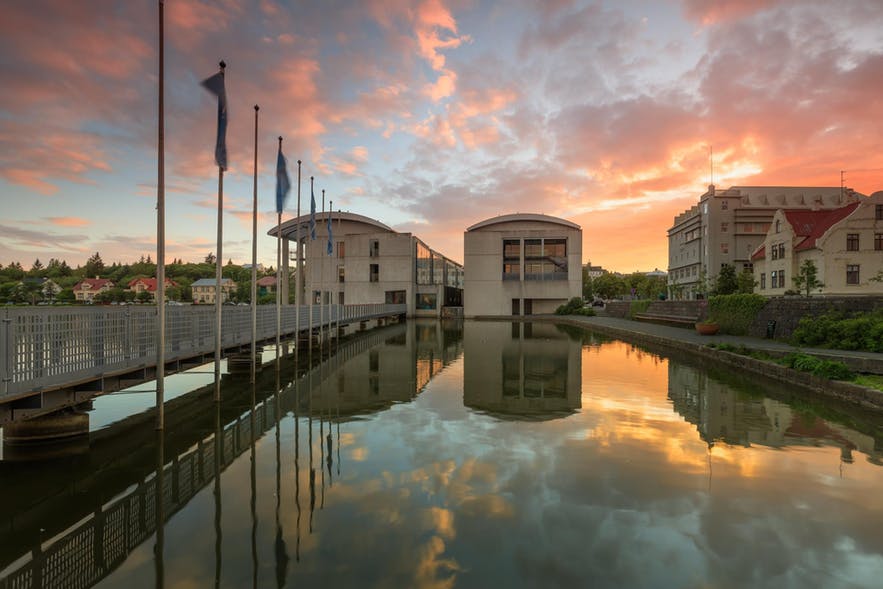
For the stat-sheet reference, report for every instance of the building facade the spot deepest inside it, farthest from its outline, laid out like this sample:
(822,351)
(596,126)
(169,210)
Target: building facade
(368,262)
(727,227)
(521,264)
(204,289)
(845,245)
(148,285)
(86,289)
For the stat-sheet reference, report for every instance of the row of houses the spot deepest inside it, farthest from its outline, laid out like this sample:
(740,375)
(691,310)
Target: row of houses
(772,231)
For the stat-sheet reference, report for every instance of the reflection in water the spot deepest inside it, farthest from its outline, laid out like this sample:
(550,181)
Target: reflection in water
(521,370)
(425,491)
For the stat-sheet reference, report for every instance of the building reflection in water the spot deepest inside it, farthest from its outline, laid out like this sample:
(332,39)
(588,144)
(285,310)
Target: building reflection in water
(722,412)
(529,371)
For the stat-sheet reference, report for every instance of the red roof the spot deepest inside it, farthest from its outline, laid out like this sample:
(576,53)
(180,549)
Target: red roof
(810,225)
(267,281)
(94,283)
(150,283)
(759,253)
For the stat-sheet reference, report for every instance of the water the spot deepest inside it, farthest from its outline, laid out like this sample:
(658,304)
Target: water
(499,455)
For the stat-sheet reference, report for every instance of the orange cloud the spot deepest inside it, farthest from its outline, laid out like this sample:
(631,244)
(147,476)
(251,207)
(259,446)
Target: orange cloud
(69,221)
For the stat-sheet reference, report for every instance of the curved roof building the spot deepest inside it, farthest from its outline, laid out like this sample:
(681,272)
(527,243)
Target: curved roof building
(521,264)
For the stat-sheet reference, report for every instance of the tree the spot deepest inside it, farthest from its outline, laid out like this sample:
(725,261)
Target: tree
(746,281)
(36,268)
(66,296)
(609,286)
(726,281)
(210,258)
(94,266)
(807,278)
(588,293)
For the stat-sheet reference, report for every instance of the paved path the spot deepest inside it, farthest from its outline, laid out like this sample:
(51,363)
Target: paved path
(689,336)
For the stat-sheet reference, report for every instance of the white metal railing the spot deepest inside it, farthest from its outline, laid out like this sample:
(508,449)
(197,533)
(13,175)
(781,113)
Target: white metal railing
(51,347)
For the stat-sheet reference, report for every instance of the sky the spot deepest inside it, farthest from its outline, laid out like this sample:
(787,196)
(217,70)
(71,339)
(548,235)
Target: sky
(429,116)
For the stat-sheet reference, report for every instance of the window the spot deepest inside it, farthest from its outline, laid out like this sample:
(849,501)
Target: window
(748,228)
(725,248)
(763,280)
(340,274)
(341,250)
(782,251)
(878,212)
(774,252)
(852,242)
(778,225)
(340,298)
(545,259)
(878,241)
(725,204)
(781,279)
(852,274)
(511,259)
(374,273)
(395,297)
(747,267)
(724,227)
(424,264)
(374,248)
(426,300)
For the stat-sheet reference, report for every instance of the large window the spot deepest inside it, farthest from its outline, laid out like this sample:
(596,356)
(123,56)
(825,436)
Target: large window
(426,300)
(763,280)
(545,259)
(511,259)
(852,274)
(438,268)
(878,212)
(395,297)
(424,264)
(374,248)
(878,241)
(374,273)
(852,242)
(340,274)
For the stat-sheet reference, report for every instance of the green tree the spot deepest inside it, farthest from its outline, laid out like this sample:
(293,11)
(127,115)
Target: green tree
(588,292)
(14,271)
(143,297)
(37,268)
(746,282)
(726,281)
(66,296)
(210,258)
(94,266)
(807,278)
(608,286)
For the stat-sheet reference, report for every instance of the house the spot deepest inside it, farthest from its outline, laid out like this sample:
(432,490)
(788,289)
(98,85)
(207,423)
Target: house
(369,263)
(86,289)
(266,285)
(728,225)
(148,285)
(845,245)
(521,264)
(204,290)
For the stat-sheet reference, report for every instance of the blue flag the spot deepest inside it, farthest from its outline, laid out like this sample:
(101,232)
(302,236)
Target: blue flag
(330,248)
(283,185)
(312,213)
(215,85)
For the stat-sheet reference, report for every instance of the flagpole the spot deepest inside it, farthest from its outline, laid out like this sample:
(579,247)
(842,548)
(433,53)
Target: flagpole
(279,267)
(161,239)
(218,268)
(254,253)
(330,269)
(297,279)
(322,333)
(312,211)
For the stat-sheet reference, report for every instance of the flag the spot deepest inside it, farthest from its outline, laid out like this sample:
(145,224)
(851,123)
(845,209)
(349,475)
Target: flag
(215,85)
(330,247)
(312,213)
(283,185)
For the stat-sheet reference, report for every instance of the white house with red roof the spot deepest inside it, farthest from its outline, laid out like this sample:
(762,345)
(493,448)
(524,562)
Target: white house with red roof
(148,285)
(845,244)
(86,289)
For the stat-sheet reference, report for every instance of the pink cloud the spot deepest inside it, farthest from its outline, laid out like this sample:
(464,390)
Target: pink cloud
(709,12)
(69,221)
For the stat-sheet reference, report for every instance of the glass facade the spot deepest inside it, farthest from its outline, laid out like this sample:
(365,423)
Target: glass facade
(424,264)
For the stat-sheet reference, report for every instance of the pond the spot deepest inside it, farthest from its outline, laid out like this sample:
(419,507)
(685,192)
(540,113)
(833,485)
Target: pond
(476,454)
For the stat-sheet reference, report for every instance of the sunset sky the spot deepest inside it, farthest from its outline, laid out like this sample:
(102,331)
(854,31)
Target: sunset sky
(427,115)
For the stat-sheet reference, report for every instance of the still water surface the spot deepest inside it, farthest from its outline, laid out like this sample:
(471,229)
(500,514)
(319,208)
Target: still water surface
(481,455)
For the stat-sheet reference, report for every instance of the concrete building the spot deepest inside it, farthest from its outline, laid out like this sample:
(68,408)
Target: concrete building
(204,289)
(845,245)
(369,263)
(728,225)
(521,264)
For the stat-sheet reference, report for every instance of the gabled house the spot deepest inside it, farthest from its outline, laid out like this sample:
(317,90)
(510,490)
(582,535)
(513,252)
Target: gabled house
(845,245)
(266,285)
(148,285)
(86,289)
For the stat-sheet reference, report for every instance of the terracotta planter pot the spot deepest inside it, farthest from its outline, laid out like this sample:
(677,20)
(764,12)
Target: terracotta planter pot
(707,328)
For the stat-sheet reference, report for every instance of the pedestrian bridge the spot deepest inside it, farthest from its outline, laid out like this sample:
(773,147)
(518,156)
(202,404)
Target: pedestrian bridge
(52,358)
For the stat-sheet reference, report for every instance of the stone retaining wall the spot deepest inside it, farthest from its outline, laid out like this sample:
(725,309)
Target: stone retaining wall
(788,311)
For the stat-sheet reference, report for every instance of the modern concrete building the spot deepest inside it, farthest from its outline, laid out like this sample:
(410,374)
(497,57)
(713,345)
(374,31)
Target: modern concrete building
(369,263)
(521,264)
(845,245)
(728,225)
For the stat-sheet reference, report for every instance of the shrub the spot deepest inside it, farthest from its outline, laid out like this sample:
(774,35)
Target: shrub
(570,307)
(637,307)
(735,312)
(836,330)
(824,368)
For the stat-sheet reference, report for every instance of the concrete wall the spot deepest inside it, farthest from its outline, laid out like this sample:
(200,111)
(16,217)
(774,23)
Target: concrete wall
(788,311)
(485,293)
